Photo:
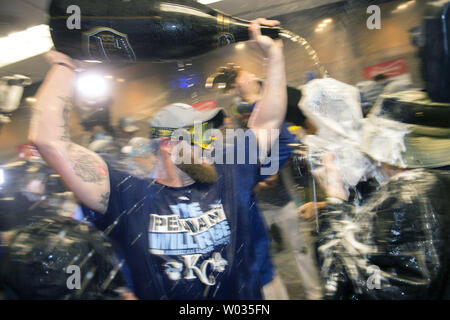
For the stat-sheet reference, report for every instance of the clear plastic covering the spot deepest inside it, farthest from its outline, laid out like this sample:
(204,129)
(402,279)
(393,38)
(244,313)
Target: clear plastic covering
(383,139)
(41,259)
(395,246)
(335,110)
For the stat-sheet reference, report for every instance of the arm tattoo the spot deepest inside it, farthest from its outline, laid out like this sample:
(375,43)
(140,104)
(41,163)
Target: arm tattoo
(85,165)
(104,201)
(65,115)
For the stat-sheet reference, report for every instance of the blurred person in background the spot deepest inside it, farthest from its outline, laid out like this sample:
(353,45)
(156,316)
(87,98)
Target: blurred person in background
(370,91)
(19,207)
(31,189)
(24,194)
(278,195)
(381,84)
(127,129)
(103,142)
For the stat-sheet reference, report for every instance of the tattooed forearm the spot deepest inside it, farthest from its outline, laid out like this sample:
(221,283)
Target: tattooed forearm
(86,166)
(104,201)
(65,115)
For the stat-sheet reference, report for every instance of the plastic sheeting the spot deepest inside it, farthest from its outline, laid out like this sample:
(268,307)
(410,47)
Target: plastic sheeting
(384,140)
(395,247)
(334,108)
(38,256)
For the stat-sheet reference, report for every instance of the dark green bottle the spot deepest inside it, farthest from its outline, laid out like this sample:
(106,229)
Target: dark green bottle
(139,30)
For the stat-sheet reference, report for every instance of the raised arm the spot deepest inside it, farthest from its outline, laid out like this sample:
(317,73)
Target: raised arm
(83,172)
(270,110)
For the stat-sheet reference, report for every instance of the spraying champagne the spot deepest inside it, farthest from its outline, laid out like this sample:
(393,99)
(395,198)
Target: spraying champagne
(128,31)
(139,30)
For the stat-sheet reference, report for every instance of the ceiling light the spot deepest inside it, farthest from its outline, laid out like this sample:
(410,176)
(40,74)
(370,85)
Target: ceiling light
(207,1)
(25,44)
(328,20)
(92,86)
(31,100)
(404,6)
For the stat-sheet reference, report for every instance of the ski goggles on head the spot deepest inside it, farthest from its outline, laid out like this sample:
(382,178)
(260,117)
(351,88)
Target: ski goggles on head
(200,135)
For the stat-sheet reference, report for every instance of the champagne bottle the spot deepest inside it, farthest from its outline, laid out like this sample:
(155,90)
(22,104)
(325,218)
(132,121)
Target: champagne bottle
(137,30)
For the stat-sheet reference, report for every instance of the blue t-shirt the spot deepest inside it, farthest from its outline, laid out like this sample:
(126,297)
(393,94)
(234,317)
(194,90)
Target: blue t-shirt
(203,241)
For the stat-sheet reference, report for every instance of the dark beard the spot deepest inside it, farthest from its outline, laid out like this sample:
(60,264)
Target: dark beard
(203,172)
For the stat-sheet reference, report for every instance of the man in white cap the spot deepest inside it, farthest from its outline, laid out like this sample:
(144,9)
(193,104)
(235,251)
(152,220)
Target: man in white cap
(182,236)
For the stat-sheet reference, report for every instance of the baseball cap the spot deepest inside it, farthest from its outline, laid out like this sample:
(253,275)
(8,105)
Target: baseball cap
(181,115)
